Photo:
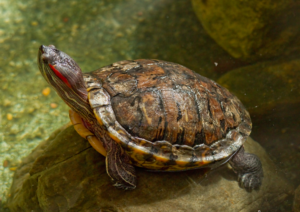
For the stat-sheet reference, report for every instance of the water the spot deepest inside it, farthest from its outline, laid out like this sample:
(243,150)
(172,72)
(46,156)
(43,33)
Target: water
(97,33)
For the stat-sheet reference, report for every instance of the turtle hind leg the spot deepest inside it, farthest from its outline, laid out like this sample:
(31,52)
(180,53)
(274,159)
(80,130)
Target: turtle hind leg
(249,169)
(119,168)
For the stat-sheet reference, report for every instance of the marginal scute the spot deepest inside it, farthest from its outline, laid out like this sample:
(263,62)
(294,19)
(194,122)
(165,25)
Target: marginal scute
(91,82)
(203,154)
(106,115)
(225,147)
(164,146)
(201,147)
(165,116)
(97,98)
(185,148)
(244,128)
(143,143)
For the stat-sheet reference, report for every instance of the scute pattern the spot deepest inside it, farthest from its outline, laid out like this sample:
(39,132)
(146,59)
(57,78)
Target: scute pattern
(160,100)
(166,116)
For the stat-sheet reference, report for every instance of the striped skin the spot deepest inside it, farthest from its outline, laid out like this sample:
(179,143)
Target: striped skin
(62,72)
(74,96)
(165,116)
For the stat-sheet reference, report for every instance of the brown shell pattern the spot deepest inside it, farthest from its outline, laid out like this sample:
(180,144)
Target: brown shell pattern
(166,116)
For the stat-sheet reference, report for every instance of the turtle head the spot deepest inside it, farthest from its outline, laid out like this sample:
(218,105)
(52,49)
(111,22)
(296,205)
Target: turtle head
(65,76)
(59,69)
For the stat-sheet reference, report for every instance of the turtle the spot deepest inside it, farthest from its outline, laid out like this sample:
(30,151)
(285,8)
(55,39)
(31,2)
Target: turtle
(153,114)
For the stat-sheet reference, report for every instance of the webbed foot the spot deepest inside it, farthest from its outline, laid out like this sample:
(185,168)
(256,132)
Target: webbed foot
(249,169)
(119,168)
(250,180)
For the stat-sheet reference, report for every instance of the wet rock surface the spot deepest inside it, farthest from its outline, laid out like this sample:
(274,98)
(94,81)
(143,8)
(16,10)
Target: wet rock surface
(296,207)
(251,30)
(65,174)
(270,91)
(267,89)
(280,137)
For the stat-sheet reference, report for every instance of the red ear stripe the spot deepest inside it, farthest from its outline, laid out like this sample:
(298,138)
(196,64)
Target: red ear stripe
(57,73)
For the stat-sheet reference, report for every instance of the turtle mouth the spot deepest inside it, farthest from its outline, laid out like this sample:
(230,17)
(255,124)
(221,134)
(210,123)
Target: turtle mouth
(43,54)
(43,62)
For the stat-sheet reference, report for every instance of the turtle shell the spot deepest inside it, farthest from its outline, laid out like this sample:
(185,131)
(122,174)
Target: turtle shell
(174,118)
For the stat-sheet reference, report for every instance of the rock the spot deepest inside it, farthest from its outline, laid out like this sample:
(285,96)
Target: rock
(296,204)
(65,174)
(267,88)
(178,36)
(251,30)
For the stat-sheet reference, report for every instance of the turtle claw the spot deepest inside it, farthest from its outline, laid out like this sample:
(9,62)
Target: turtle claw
(124,187)
(250,181)
(249,170)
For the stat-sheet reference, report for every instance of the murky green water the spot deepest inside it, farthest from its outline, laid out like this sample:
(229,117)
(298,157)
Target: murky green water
(97,33)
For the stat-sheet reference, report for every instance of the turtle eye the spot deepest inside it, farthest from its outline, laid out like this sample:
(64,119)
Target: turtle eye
(56,51)
(45,58)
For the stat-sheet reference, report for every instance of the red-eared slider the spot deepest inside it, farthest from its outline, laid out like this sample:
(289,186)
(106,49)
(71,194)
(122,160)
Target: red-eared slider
(155,115)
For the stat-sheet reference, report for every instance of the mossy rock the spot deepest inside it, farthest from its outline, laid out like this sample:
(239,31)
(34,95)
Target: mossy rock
(296,205)
(251,30)
(65,174)
(267,88)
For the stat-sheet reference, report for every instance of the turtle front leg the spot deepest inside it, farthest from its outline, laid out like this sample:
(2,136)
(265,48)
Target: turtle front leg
(119,167)
(118,164)
(249,169)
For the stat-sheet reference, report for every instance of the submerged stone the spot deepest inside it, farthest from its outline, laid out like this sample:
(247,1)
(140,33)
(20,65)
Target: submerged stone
(296,205)
(251,30)
(267,89)
(65,174)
